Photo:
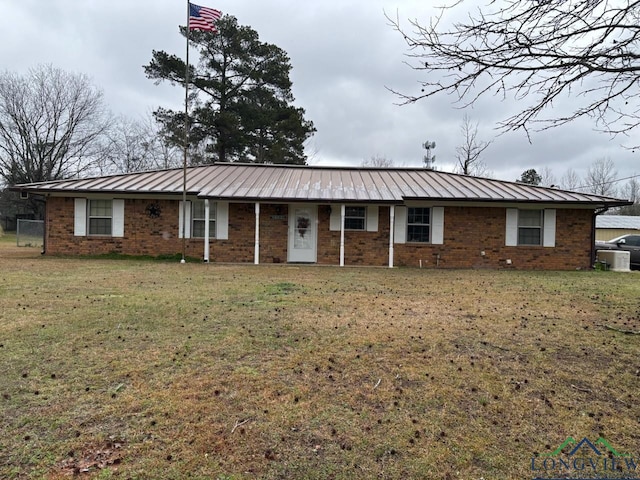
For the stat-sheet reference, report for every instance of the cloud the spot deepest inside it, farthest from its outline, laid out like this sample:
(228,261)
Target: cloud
(344,57)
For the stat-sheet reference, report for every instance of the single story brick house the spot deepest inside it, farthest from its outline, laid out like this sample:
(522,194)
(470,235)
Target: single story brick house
(322,215)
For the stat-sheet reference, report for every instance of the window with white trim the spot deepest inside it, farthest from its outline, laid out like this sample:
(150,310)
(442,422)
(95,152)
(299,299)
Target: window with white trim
(418,224)
(198,219)
(100,217)
(355,218)
(530,225)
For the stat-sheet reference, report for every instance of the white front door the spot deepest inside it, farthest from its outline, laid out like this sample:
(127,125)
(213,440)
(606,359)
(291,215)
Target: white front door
(302,233)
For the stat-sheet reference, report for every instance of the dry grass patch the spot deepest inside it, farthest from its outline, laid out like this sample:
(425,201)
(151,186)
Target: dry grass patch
(134,369)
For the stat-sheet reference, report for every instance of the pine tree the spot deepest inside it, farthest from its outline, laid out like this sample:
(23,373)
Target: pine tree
(240,102)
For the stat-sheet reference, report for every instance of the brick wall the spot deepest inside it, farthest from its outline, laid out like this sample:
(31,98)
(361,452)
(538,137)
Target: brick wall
(143,235)
(273,233)
(468,232)
(239,247)
(360,248)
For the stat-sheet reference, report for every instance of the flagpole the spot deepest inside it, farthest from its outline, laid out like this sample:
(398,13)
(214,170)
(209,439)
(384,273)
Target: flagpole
(186,147)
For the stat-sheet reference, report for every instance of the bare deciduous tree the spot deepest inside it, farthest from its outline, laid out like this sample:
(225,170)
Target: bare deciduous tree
(469,151)
(135,146)
(534,51)
(52,125)
(631,191)
(548,178)
(378,161)
(601,177)
(164,153)
(570,180)
(127,150)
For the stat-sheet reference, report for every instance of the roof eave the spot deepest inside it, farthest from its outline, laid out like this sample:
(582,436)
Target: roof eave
(33,189)
(566,203)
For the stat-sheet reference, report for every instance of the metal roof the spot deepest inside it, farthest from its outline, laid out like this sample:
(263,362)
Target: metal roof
(626,222)
(257,182)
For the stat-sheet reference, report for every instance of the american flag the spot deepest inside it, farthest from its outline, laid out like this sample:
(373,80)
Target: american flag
(203,18)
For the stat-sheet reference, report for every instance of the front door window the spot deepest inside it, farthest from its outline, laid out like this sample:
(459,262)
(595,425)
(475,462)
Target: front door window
(302,234)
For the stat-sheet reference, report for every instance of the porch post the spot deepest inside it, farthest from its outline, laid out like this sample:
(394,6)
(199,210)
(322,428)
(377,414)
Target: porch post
(342,215)
(392,220)
(256,255)
(206,230)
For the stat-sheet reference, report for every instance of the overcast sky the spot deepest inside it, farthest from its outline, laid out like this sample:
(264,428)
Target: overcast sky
(344,56)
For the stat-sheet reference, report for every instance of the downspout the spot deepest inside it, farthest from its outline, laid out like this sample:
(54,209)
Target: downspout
(256,255)
(593,232)
(45,240)
(392,220)
(342,215)
(206,230)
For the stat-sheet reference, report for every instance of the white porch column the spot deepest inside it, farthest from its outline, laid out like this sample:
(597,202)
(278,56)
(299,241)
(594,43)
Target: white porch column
(256,255)
(392,220)
(206,230)
(342,215)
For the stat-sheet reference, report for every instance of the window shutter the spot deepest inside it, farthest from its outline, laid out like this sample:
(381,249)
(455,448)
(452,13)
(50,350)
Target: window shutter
(117,212)
(372,218)
(222,220)
(334,219)
(511,235)
(187,222)
(80,217)
(400,230)
(549,234)
(437,225)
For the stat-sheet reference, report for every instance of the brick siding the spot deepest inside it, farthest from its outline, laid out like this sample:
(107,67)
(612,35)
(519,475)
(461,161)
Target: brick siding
(468,232)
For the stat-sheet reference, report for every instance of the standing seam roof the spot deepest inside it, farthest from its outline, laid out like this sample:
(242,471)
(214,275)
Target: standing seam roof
(311,183)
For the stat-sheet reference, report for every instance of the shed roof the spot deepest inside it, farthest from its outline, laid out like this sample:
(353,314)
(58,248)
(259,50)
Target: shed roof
(233,181)
(625,222)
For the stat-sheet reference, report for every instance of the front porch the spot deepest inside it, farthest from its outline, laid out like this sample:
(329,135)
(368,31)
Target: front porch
(300,233)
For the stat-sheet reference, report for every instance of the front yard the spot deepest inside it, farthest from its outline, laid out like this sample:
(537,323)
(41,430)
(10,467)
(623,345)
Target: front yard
(140,369)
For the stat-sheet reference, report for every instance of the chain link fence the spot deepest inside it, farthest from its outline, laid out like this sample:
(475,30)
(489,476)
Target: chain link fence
(30,233)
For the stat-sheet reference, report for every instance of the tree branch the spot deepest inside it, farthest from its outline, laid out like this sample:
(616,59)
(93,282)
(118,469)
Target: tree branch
(535,51)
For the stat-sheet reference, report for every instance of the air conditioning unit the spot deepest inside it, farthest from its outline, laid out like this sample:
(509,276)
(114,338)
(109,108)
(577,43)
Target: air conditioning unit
(616,260)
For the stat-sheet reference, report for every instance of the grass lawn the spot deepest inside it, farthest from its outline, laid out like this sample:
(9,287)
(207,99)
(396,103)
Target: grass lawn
(139,369)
